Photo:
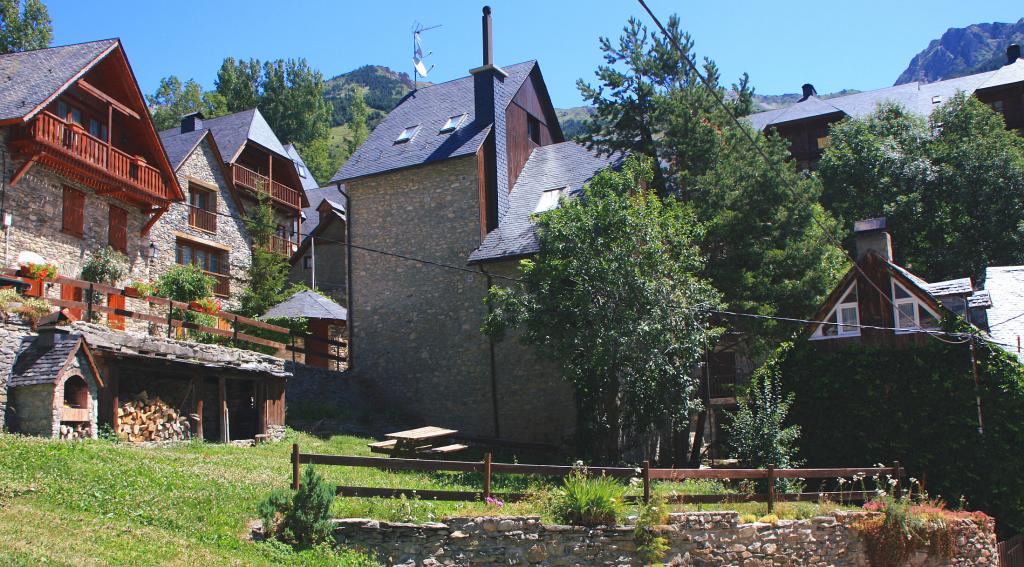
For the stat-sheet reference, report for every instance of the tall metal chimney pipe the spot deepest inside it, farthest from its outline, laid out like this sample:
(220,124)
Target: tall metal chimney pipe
(488,47)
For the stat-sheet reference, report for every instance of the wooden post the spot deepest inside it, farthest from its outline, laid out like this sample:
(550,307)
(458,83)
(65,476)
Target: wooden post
(110,131)
(225,435)
(771,488)
(115,402)
(88,309)
(170,317)
(198,381)
(487,475)
(647,482)
(295,466)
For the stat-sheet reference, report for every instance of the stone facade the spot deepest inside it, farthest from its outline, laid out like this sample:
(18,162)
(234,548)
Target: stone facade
(13,335)
(202,168)
(329,250)
(415,329)
(697,539)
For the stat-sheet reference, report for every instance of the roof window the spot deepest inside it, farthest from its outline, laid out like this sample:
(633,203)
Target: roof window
(549,199)
(936,99)
(453,123)
(407,134)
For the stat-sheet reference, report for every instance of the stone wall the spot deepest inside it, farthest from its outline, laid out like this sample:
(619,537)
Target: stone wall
(315,390)
(331,262)
(415,328)
(202,167)
(697,538)
(12,340)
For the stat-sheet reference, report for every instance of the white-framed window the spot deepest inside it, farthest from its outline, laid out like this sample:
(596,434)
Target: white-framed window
(302,170)
(407,134)
(549,199)
(453,123)
(843,320)
(909,313)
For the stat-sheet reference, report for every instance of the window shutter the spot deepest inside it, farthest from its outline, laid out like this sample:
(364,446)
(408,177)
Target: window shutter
(117,234)
(74,212)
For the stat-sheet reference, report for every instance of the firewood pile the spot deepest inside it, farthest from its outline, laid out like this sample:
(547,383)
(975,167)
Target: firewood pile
(151,419)
(77,431)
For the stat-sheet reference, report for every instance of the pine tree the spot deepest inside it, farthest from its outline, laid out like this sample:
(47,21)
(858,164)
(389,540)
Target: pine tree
(268,271)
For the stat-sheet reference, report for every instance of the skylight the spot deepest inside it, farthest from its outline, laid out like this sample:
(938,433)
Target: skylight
(453,123)
(549,199)
(407,134)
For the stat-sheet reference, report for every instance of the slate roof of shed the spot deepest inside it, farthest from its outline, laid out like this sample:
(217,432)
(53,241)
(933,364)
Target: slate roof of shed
(307,180)
(179,145)
(310,304)
(44,364)
(962,286)
(30,78)
(429,107)
(1005,285)
(916,97)
(549,167)
(233,130)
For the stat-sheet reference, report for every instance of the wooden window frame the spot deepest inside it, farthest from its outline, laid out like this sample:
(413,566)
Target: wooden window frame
(917,306)
(844,328)
(76,231)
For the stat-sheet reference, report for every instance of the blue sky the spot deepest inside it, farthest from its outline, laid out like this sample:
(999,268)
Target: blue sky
(834,45)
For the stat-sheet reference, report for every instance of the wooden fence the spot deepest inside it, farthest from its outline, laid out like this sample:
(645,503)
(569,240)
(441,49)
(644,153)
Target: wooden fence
(645,473)
(1011,551)
(229,325)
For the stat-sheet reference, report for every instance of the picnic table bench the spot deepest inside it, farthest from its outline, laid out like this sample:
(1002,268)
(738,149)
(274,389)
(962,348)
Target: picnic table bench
(417,442)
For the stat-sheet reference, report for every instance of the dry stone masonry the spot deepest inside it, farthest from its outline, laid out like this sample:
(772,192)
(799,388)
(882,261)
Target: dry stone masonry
(695,539)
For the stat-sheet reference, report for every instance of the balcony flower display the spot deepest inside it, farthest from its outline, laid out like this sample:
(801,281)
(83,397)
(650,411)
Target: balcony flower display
(139,289)
(206,305)
(39,271)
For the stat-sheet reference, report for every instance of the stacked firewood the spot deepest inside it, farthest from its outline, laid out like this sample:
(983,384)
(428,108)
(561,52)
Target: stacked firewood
(76,431)
(151,419)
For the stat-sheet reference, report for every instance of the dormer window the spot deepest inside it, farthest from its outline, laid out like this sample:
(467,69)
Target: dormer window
(937,99)
(909,313)
(302,170)
(843,320)
(452,123)
(407,134)
(549,199)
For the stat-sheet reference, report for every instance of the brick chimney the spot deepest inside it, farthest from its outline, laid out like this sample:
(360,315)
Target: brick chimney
(870,235)
(191,122)
(1012,53)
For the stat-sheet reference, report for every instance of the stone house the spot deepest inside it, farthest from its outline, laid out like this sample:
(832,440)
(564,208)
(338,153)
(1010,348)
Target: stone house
(86,167)
(320,261)
(452,176)
(208,229)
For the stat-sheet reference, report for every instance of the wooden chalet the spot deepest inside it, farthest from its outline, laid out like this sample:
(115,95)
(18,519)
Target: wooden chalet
(78,110)
(805,124)
(881,303)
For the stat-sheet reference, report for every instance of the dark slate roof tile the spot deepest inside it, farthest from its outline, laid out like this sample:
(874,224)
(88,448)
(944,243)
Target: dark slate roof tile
(178,145)
(307,180)
(429,108)
(29,78)
(549,167)
(311,216)
(43,364)
(232,131)
(310,304)
(962,286)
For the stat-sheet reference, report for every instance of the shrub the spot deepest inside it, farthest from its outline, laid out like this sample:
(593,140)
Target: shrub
(9,299)
(588,501)
(32,309)
(305,519)
(145,289)
(105,266)
(651,547)
(185,283)
(757,430)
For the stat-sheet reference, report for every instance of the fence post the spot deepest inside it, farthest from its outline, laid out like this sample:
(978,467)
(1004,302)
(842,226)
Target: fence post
(897,473)
(487,475)
(170,317)
(234,328)
(295,466)
(292,337)
(88,308)
(771,488)
(647,482)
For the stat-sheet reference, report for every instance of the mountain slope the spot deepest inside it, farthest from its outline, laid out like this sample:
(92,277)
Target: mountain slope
(963,51)
(382,89)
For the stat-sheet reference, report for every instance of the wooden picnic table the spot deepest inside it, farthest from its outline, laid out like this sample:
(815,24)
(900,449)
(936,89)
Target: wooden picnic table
(417,442)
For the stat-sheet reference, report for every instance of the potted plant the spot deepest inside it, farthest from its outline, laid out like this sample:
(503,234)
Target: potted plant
(140,290)
(206,305)
(34,271)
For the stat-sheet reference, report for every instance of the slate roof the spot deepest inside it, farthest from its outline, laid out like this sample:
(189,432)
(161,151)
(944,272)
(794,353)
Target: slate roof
(916,97)
(233,130)
(30,78)
(179,145)
(310,304)
(429,107)
(307,180)
(44,364)
(310,214)
(549,167)
(1005,285)
(962,286)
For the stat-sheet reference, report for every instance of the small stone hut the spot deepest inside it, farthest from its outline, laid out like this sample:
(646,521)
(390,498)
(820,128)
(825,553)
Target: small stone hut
(54,387)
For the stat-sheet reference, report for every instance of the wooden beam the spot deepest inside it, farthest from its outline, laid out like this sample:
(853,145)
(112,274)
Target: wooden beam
(115,400)
(225,434)
(197,389)
(22,170)
(159,212)
(96,92)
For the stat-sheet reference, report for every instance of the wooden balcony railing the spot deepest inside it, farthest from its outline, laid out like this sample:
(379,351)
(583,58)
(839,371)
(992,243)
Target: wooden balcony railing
(722,386)
(260,183)
(222,285)
(282,245)
(72,141)
(202,219)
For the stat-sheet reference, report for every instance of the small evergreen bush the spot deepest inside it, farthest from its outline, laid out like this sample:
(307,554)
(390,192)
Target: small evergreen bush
(302,519)
(588,501)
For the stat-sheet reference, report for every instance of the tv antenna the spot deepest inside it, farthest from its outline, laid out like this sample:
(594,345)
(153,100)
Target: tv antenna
(419,68)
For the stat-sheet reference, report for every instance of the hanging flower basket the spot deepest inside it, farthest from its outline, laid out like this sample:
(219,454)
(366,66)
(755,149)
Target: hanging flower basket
(31,271)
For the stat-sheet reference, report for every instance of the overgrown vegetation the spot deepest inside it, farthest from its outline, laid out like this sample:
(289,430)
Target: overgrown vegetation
(188,283)
(650,546)
(757,431)
(585,500)
(105,266)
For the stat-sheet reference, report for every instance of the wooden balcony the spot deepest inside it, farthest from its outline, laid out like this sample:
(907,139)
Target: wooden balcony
(71,151)
(202,219)
(722,389)
(282,245)
(222,285)
(249,179)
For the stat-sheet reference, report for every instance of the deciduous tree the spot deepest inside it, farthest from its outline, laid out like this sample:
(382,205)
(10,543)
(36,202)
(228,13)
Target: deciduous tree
(24,25)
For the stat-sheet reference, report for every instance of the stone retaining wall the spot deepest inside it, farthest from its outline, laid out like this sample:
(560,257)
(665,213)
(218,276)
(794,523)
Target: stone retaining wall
(697,538)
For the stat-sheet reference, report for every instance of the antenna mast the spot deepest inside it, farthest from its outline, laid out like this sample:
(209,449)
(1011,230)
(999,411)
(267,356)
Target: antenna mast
(418,68)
